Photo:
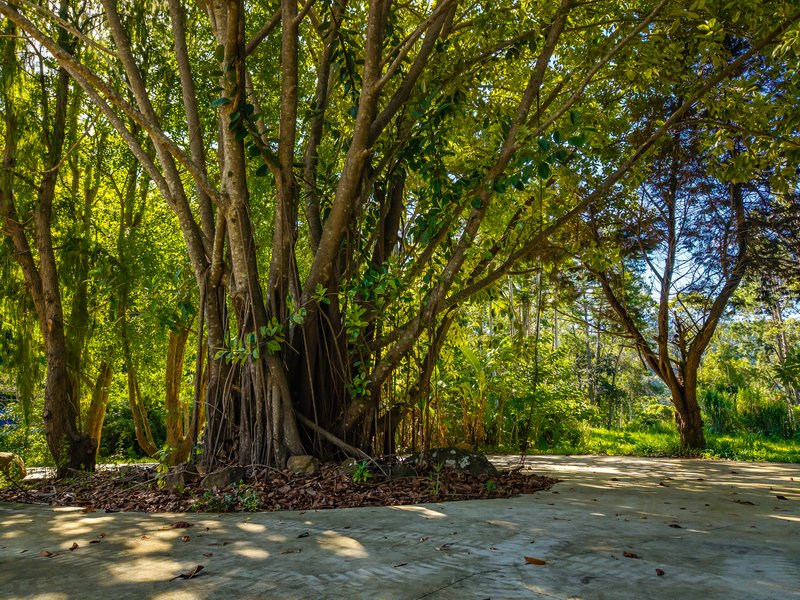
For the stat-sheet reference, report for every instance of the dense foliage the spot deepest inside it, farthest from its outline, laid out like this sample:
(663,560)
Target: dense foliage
(236,232)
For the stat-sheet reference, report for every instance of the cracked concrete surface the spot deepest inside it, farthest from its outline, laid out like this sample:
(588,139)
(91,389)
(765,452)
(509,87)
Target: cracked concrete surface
(713,529)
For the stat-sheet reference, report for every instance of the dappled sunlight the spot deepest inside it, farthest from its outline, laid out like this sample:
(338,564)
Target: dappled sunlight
(140,570)
(785,518)
(251,527)
(421,511)
(731,524)
(182,595)
(506,524)
(251,552)
(341,545)
(148,545)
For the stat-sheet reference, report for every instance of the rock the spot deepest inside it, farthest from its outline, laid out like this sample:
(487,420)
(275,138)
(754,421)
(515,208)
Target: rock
(12,466)
(303,463)
(349,466)
(402,469)
(178,479)
(458,459)
(223,478)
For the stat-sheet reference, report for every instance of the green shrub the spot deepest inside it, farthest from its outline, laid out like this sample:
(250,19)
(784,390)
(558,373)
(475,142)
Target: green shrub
(557,419)
(764,414)
(719,410)
(656,418)
(29,442)
(118,441)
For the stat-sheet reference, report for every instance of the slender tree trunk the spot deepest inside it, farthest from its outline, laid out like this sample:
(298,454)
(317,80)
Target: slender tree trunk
(97,408)
(688,418)
(179,439)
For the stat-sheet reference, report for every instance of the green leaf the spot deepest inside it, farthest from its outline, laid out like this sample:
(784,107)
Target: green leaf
(219,53)
(476,203)
(577,140)
(543,170)
(220,102)
(543,144)
(574,117)
(262,171)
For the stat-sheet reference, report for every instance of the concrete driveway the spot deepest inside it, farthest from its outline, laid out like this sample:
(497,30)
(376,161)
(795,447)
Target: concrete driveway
(615,527)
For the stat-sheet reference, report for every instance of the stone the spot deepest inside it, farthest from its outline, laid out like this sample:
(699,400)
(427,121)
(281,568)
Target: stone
(222,478)
(349,466)
(458,459)
(178,479)
(12,466)
(303,463)
(401,469)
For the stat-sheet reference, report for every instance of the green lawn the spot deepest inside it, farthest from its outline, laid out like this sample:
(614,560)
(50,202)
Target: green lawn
(633,443)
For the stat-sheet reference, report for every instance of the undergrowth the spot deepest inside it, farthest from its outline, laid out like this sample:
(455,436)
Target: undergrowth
(749,447)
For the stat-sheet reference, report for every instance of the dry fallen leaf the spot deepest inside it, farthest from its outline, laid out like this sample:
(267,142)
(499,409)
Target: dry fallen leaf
(208,554)
(535,561)
(675,526)
(781,497)
(303,535)
(185,538)
(190,574)
(444,546)
(89,509)
(74,546)
(630,555)
(45,553)
(94,541)
(291,551)
(145,537)
(660,572)
(181,525)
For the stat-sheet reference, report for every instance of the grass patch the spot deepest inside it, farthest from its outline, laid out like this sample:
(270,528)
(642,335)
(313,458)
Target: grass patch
(750,447)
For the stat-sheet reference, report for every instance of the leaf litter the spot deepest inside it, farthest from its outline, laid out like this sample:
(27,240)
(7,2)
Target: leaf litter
(137,490)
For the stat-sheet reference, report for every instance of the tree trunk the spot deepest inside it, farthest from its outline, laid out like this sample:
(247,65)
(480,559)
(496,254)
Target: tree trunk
(179,439)
(688,418)
(97,409)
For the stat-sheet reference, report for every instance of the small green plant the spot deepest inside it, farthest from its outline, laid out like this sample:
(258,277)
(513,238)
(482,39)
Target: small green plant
(163,467)
(250,501)
(362,473)
(436,479)
(491,486)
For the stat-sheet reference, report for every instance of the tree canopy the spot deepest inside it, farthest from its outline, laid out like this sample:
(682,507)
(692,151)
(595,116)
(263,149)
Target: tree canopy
(311,196)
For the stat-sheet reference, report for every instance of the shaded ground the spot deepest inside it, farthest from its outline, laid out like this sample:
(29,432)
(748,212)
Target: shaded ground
(136,488)
(713,529)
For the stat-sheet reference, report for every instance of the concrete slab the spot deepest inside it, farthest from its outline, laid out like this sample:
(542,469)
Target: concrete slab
(715,530)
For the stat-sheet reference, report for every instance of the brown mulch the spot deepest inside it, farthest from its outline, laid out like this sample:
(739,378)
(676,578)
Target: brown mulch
(136,488)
